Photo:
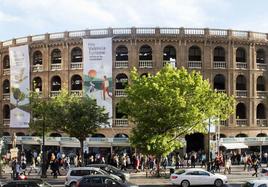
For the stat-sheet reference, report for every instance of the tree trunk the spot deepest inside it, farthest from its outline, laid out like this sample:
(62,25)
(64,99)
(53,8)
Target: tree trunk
(81,152)
(158,165)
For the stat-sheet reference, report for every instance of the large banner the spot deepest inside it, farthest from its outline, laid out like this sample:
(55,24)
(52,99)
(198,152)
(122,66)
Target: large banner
(97,55)
(20,86)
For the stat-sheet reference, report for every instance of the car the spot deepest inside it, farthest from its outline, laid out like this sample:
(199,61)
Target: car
(101,181)
(74,174)
(256,183)
(264,172)
(113,170)
(26,183)
(197,176)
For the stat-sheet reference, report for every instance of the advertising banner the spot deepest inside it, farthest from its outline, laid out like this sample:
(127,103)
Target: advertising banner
(97,55)
(20,86)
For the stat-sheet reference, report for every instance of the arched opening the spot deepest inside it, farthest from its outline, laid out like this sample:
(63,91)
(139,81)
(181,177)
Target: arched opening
(121,53)
(6,86)
(219,82)
(195,142)
(118,113)
(6,112)
(76,54)
(260,57)
(56,56)
(6,134)
(121,81)
(219,54)
(37,84)
(6,62)
(241,55)
(194,53)
(241,83)
(241,111)
(37,58)
(56,83)
(121,135)
(55,134)
(76,82)
(20,134)
(261,111)
(169,55)
(144,75)
(261,135)
(98,135)
(241,135)
(145,53)
(221,136)
(260,83)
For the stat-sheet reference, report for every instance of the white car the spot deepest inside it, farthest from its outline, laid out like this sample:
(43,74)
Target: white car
(196,176)
(256,183)
(75,174)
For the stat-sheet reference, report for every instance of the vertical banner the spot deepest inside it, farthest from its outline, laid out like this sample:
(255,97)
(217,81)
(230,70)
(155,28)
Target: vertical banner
(20,86)
(97,55)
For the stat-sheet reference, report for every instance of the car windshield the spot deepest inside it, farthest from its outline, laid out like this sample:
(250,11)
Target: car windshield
(180,172)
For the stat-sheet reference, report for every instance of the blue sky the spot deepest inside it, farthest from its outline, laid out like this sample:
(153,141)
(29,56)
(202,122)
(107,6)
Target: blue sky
(20,18)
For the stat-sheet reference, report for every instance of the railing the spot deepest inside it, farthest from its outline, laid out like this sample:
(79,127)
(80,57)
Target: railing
(218,32)
(121,64)
(6,96)
(169,31)
(241,65)
(221,91)
(262,123)
(75,34)
(54,93)
(120,93)
(219,65)
(6,71)
(262,94)
(6,121)
(7,43)
(241,93)
(55,67)
(195,64)
(261,66)
(223,123)
(241,122)
(191,31)
(76,65)
(122,31)
(77,92)
(172,63)
(99,32)
(37,68)
(56,35)
(145,64)
(21,40)
(145,31)
(259,36)
(240,34)
(38,37)
(121,123)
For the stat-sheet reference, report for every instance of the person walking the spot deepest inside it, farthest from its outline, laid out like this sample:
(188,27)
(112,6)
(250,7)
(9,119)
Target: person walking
(255,166)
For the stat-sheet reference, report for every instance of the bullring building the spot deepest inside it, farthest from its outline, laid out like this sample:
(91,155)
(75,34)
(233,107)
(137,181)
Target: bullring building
(235,62)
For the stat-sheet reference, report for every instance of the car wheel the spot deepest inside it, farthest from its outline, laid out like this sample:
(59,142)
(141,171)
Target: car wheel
(73,184)
(185,183)
(218,183)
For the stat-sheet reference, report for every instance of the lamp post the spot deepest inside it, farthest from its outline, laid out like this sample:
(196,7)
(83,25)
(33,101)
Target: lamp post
(208,162)
(44,172)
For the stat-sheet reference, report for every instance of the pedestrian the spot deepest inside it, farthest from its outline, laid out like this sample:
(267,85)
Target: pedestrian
(227,166)
(255,166)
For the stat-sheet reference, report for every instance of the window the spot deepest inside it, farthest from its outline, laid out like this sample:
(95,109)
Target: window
(96,180)
(37,58)
(219,82)
(56,56)
(121,81)
(204,173)
(6,63)
(194,53)
(76,54)
(145,53)
(241,83)
(240,111)
(240,55)
(260,56)
(76,82)
(219,54)
(56,83)
(121,53)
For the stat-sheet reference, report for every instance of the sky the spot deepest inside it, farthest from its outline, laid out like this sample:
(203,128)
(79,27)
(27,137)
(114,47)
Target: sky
(20,18)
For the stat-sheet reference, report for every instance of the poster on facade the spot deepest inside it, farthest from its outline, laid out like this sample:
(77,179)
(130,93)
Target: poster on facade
(97,73)
(20,86)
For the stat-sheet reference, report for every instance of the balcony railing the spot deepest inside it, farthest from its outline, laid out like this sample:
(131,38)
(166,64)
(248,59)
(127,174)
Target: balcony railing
(54,93)
(77,92)
(261,66)
(241,65)
(6,71)
(262,123)
(195,64)
(261,94)
(145,64)
(55,67)
(224,123)
(221,91)
(172,63)
(37,68)
(219,65)
(121,123)
(241,122)
(76,65)
(120,93)
(241,93)
(6,96)
(121,64)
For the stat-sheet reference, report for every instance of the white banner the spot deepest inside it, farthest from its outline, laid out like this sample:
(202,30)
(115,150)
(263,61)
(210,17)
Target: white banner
(20,86)
(97,55)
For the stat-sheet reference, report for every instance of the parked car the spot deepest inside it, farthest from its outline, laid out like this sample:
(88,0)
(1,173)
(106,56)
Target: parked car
(256,183)
(196,176)
(74,174)
(264,172)
(27,183)
(101,181)
(113,170)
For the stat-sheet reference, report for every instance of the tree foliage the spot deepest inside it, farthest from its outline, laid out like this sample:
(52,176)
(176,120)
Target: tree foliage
(169,105)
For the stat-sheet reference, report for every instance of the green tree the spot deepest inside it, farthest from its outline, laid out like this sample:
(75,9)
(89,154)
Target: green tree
(76,116)
(169,105)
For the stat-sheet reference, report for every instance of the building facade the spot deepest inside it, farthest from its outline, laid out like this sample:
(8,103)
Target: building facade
(235,62)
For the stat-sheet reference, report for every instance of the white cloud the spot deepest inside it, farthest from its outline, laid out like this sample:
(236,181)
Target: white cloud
(7,18)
